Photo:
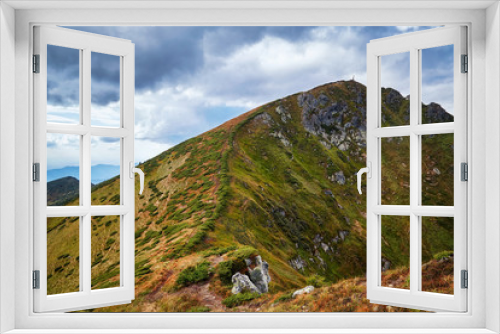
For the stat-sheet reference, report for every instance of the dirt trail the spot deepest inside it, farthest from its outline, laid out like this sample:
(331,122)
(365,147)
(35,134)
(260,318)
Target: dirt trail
(201,291)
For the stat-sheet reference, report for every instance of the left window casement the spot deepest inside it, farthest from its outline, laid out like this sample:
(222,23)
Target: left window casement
(79,134)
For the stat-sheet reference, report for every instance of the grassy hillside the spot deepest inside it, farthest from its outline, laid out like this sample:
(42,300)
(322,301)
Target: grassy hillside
(279,182)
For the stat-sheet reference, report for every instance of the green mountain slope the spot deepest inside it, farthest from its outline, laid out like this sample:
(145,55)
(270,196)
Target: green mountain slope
(278,181)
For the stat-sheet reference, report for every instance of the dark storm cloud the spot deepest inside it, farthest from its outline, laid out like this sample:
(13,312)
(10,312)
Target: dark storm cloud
(105,76)
(163,54)
(223,41)
(63,68)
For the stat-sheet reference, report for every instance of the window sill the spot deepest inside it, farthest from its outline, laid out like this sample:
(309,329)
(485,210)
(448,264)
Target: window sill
(250,331)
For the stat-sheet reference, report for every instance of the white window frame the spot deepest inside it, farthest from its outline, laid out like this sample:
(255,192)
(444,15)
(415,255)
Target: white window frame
(413,43)
(86,44)
(483,102)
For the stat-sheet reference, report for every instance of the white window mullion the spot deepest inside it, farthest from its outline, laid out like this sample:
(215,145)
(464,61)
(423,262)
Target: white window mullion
(414,172)
(85,184)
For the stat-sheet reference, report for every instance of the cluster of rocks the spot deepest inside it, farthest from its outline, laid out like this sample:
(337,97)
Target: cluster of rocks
(285,115)
(257,279)
(338,177)
(281,137)
(265,118)
(319,242)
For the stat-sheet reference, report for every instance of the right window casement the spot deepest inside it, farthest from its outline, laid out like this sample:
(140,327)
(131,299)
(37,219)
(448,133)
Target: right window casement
(424,147)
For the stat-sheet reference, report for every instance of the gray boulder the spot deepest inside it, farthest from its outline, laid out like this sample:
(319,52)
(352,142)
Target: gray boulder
(307,289)
(340,177)
(257,279)
(260,275)
(242,283)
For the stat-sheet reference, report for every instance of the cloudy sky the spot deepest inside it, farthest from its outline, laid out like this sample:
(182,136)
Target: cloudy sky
(191,79)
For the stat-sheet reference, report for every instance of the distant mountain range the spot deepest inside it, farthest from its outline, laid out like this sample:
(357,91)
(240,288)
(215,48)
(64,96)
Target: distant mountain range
(99,173)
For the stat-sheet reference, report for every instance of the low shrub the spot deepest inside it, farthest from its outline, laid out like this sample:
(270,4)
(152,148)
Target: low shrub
(193,274)
(225,271)
(442,255)
(285,297)
(239,299)
(199,309)
(316,280)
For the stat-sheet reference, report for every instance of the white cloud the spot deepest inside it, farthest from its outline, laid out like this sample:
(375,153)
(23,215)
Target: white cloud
(62,150)
(108,115)
(146,149)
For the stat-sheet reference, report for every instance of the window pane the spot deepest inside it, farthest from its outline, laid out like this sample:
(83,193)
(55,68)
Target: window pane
(395,170)
(105,252)
(63,250)
(437,169)
(105,88)
(395,260)
(63,169)
(437,254)
(437,84)
(395,94)
(105,152)
(63,85)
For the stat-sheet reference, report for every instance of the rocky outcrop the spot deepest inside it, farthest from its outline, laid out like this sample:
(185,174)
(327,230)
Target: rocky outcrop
(434,113)
(257,280)
(334,121)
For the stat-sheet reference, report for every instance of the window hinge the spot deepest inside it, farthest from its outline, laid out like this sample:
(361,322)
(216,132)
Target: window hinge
(465,279)
(36,172)
(36,279)
(36,63)
(464,170)
(465,64)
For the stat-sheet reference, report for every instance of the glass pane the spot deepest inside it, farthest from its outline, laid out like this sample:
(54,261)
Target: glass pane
(63,250)
(395,170)
(63,169)
(395,260)
(395,83)
(437,84)
(105,170)
(437,254)
(105,86)
(437,170)
(105,252)
(63,85)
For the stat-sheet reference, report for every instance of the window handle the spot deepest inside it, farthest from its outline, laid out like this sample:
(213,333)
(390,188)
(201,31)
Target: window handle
(368,171)
(141,176)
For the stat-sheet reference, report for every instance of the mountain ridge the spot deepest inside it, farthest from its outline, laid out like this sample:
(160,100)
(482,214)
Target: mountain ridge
(277,181)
